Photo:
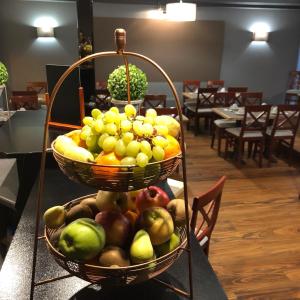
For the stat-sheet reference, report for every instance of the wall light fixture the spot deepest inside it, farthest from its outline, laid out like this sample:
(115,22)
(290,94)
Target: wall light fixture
(260,32)
(181,11)
(45,31)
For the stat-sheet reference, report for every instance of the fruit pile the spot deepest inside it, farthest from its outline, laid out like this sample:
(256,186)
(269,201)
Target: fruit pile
(116,229)
(114,138)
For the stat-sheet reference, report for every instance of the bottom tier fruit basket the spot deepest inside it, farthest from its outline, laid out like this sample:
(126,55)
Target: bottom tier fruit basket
(120,276)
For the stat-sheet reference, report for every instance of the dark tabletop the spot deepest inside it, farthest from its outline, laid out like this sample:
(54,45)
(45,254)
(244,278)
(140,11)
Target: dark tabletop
(15,274)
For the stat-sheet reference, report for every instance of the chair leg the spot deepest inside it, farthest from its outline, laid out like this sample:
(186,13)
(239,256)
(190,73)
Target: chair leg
(215,128)
(226,147)
(291,152)
(261,153)
(196,126)
(270,152)
(220,136)
(250,146)
(240,152)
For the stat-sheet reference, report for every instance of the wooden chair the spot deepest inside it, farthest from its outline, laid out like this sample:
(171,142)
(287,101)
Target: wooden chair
(202,108)
(219,125)
(189,86)
(253,130)
(154,101)
(207,205)
(215,83)
(237,89)
(283,129)
(24,93)
(291,98)
(39,86)
(251,98)
(29,102)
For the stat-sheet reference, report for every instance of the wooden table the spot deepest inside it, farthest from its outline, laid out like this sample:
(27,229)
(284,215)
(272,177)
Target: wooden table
(15,276)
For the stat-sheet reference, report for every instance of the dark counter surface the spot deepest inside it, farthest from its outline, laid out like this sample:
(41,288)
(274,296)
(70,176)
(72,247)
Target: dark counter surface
(15,276)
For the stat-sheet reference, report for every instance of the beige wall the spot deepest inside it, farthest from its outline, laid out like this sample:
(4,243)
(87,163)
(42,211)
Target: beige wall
(185,50)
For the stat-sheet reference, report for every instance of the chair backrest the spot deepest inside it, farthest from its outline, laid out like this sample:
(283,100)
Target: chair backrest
(251,98)
(29,102)
(291,98)
(237,89)
(215,83)
(287,118)
(154,101)
(190,85)
(39,86)
(24,93)
(256,118)
(205,97)
(169,111)
(232,98)
(223,99)
(207,205)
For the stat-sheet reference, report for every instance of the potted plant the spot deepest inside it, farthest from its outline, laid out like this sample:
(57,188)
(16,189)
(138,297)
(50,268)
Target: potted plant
(117,86)
(3,76)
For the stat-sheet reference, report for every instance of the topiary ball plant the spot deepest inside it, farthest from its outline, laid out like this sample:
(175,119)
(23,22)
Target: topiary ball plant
(117,83)
(3,74)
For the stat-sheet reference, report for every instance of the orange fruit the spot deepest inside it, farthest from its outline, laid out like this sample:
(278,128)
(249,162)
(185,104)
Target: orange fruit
(108,159)
(173,147)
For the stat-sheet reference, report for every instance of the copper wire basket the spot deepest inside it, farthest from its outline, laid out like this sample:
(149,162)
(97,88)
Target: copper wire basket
(114,177)
(120,276)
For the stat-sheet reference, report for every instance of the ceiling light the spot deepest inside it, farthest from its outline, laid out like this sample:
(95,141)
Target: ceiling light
(181,11)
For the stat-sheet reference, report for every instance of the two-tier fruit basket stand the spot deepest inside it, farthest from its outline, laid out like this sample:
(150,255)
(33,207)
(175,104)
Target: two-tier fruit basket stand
(121,179)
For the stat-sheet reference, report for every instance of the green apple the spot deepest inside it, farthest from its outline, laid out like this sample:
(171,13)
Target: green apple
(82,239)
(169,245)
(158,223)
(141,249)
(79,153)
(54,216)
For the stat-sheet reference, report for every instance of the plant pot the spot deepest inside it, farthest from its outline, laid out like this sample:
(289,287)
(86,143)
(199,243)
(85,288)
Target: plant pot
(120,104)
(2,87)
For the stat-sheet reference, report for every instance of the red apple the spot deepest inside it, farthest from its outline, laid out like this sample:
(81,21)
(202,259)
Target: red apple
(153,196)
(117,227)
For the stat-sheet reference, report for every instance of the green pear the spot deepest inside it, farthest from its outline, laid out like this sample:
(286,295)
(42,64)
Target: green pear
(141,249)
(169,245)
(54,216)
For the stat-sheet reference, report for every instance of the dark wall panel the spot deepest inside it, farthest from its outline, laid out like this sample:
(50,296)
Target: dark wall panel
(189,50)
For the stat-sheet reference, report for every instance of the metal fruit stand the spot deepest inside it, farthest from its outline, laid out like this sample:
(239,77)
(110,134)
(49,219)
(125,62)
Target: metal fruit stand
(121,179)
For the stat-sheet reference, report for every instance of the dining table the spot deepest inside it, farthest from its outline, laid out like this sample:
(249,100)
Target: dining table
(15,275)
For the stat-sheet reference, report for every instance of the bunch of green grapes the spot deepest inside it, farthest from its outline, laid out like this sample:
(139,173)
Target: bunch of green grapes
(136,140)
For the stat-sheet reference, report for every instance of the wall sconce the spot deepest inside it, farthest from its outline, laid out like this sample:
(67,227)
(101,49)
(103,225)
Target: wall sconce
(45,31)
(260,32)
(181,11)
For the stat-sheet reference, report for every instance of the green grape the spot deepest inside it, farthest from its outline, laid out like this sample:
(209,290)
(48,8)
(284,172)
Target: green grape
(91,142)
(126,125)
(114,109)
(120,148)
(138,128)
(123,116)
(151,113)
(146,148)
(160,141)
(128,161)
(85,132)
(158,153)
(111,128)
(88,121)
(148,129)
(96,113)
(101,139)
(133,148)
(99,126)
(161,129)
(140,118)
(127,137)
(130,110)
(110,117)
(142,160)
(109,144)
(149,120)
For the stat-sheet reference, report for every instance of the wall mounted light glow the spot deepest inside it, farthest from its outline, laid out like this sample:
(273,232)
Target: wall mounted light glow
(260,32)
(181,11)
(157,14)
(45,26)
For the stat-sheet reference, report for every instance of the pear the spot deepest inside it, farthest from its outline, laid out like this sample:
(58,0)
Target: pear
(54,216)
(141,249)
(176,208)
(169,245)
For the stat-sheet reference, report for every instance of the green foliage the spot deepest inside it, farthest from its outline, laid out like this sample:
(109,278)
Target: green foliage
(117,83)
(3,74)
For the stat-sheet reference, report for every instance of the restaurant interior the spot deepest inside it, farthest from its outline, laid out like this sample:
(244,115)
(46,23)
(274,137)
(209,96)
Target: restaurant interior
(215,125)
